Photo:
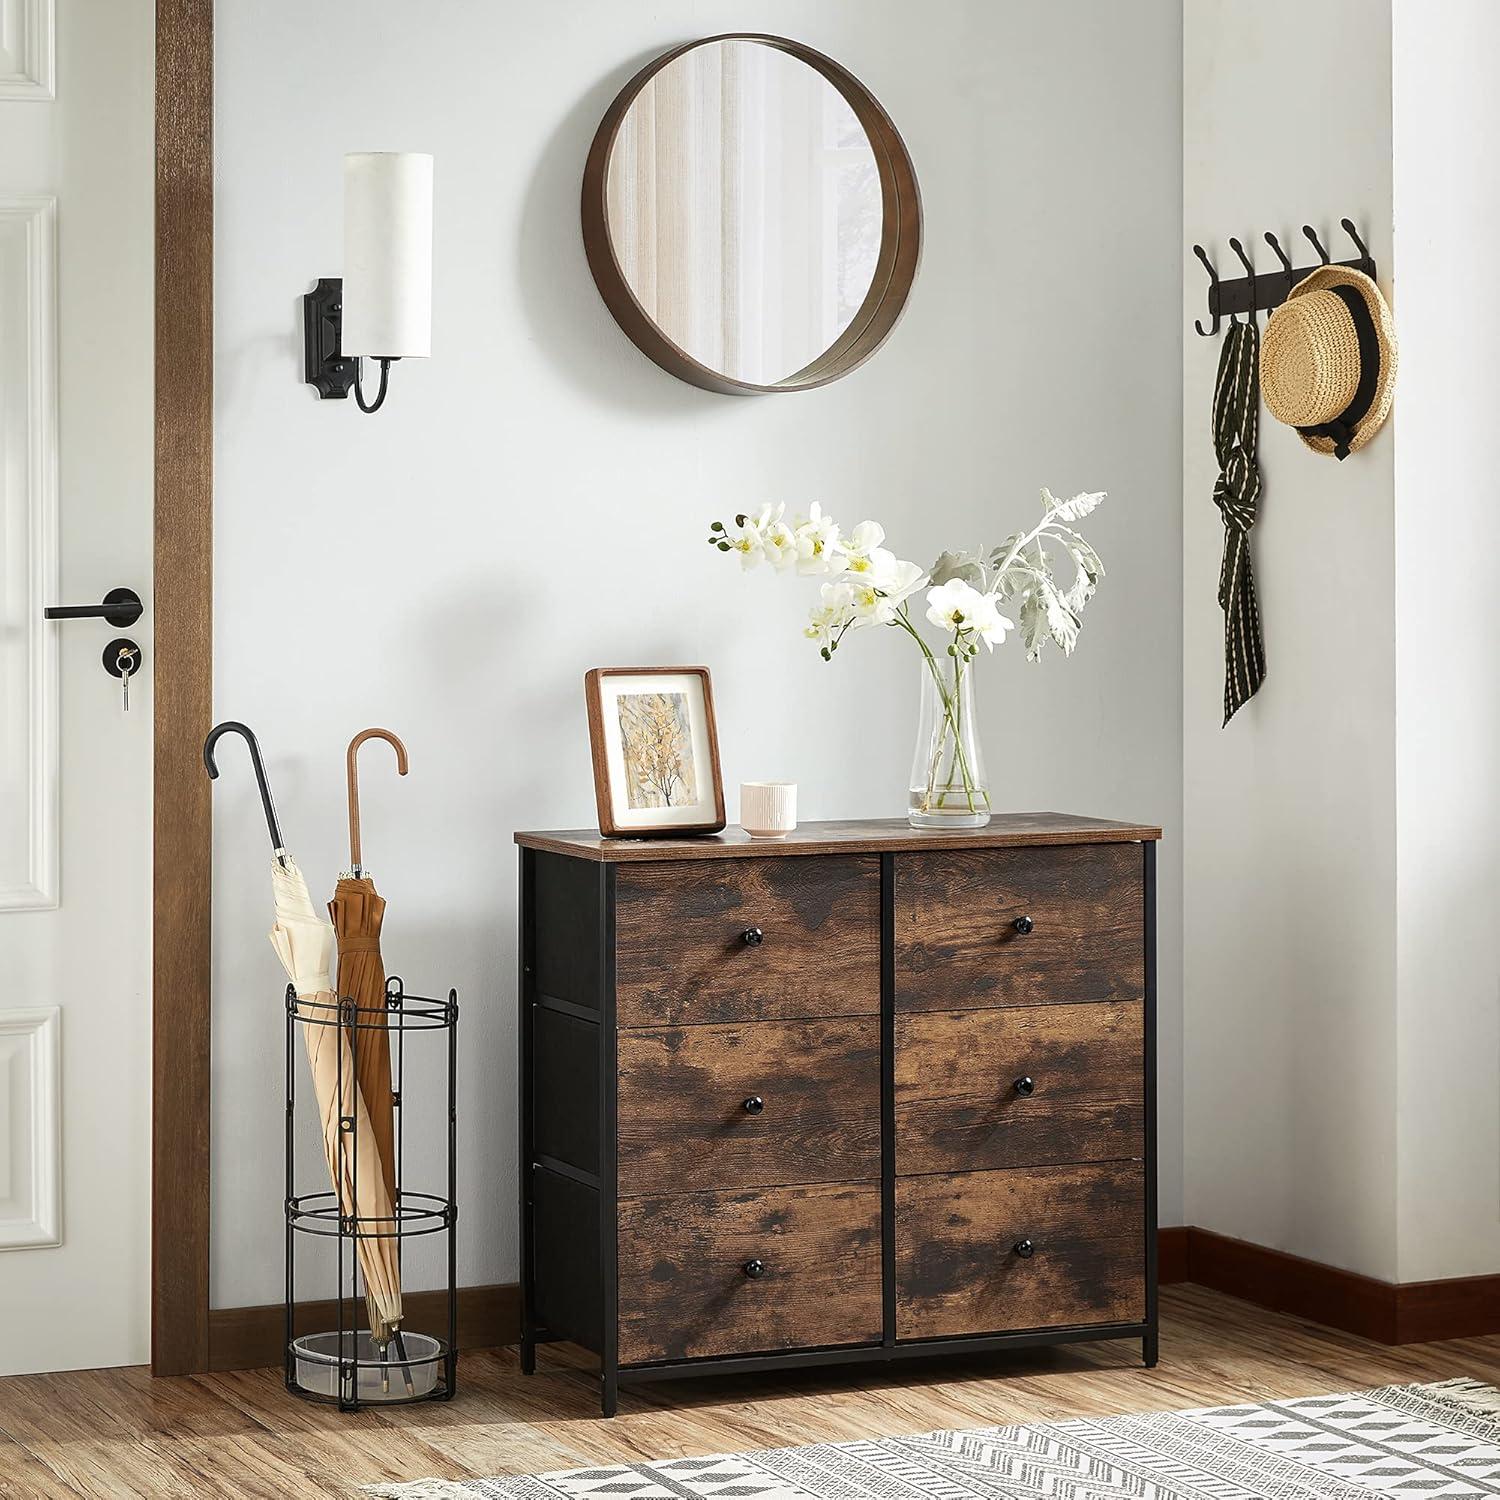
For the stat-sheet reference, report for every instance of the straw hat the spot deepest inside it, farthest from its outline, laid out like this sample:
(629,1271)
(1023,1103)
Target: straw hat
(1328,360)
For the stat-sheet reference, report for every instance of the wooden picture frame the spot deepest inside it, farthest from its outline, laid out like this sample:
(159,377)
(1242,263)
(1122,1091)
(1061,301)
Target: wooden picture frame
(672,709)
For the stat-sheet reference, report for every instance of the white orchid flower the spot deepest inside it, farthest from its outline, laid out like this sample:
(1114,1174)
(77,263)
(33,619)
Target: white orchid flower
(877,566)
(867,603)
(748,535)
(960,607)
(744,539)
(989,624)
(954,605)
(905,579)
(818,549)
(830,616)
(866,558)
(874,604)
(779,542)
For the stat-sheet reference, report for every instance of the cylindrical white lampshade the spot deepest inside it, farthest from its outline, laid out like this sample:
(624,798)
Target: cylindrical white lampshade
(388,254)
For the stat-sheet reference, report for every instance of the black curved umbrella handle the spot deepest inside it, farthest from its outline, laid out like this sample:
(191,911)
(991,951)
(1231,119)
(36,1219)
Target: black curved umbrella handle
(234,726)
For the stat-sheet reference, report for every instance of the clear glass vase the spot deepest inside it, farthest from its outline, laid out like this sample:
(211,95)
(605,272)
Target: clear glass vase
(949,788)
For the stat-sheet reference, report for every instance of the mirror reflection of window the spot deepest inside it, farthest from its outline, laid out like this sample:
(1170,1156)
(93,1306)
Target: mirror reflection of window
(745,209)
(851,193)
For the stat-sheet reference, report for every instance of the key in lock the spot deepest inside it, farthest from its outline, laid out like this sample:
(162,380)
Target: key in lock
(122,659)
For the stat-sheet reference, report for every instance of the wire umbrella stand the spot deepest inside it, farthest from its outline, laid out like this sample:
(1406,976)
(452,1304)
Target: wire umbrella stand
(343,1366)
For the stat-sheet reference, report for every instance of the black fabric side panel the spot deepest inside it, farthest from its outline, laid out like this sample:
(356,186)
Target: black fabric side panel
(567,1259)
(567,927)
(565,1088)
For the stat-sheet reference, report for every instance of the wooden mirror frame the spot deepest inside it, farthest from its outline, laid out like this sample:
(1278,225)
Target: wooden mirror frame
(895,266)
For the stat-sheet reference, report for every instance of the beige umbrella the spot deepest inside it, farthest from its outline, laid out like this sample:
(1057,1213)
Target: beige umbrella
(304,942)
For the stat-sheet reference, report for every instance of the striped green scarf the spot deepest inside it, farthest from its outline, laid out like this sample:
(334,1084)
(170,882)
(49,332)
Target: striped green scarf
(1236,420)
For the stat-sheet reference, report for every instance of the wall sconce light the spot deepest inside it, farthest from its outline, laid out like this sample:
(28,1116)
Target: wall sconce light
(381,308)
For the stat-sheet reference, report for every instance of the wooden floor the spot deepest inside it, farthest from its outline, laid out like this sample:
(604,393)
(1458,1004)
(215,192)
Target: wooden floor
(118,1432)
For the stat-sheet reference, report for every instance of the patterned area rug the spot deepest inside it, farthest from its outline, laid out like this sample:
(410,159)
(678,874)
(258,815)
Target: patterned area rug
(1439,1441)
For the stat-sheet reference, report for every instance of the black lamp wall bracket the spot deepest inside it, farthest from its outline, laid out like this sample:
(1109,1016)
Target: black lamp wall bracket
(1259,291)
(331,372)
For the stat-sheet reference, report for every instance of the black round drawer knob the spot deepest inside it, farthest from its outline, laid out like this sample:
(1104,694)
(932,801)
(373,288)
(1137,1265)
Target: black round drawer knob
(754,1269)
(1023,925)
(754,1104)
(1024,1248)
(1025,1087)
(754,937)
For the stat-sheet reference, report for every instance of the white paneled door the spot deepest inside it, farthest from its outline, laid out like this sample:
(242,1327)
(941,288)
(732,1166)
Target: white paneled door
(76,165)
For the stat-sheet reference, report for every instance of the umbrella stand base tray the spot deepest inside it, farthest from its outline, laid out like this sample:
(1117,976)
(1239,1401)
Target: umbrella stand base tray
(359,1217)
(343,1370)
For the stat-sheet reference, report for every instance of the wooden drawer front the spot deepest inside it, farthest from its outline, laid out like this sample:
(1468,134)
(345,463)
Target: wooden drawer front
(957,1271)
(683,1124)
(957,943)
(681,954)
(961,1096)
(684,1292)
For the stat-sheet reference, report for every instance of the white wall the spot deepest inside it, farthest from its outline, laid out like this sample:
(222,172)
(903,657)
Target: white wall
(1289,812)
(531,503)
(1447,134)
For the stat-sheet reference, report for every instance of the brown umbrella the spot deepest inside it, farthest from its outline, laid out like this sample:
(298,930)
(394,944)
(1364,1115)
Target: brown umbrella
(357,912)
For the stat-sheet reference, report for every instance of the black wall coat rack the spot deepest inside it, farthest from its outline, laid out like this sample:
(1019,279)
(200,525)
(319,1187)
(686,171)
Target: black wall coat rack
(1263,290)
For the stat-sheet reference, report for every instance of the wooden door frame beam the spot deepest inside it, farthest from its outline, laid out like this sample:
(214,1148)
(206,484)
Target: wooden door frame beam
(182,676)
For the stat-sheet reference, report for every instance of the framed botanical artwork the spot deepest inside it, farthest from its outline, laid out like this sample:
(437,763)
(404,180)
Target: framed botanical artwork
(656,751)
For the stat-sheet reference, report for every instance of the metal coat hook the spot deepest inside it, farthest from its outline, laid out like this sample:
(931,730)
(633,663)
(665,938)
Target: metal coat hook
(1317,244)
(1281,255)
(1213,281)
(1286,275)
(233,726)
(1249,266)
(351,763)
(1353,234)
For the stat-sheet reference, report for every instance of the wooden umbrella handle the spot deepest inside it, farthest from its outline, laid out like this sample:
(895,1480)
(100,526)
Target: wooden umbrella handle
(352,763)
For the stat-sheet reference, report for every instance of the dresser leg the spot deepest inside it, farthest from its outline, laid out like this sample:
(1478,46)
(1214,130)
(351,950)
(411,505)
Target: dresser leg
(1149,1350)
(528,1355)
(609,1393)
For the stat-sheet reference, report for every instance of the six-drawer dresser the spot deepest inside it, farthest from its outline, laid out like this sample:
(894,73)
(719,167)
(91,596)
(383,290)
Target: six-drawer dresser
(865,1093)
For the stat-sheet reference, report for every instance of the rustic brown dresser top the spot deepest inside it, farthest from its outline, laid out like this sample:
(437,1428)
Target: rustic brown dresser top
(859,836)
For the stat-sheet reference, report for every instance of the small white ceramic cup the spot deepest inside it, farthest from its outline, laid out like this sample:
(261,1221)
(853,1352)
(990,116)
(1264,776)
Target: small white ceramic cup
(768,809)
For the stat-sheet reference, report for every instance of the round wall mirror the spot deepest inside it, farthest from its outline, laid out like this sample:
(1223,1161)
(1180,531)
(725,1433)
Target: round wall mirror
(751,215)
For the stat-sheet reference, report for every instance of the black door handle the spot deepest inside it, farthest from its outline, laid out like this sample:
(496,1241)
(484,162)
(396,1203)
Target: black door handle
(120,607)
